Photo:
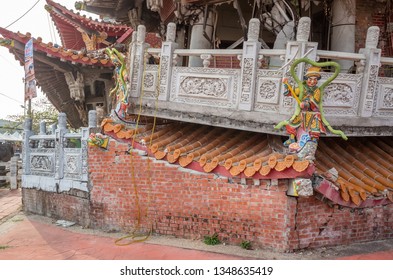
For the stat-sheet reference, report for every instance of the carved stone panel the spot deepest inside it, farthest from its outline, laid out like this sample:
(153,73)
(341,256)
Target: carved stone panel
(212,87)
(384,102)
(341,97)
(42,164)
(134,76)
(150,82)
(247,79)
(268,90)
(72,163)
(339,94)
(205,86)
(387,97)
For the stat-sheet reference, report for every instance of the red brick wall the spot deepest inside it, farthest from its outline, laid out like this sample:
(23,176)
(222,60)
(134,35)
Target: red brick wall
(318,224)
(179,202)
(72,206)
(183,203)
(370,13)
(225,62)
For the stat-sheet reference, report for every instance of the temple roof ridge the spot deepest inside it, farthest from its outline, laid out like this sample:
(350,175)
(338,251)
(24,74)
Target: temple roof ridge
(84,18)
(98,57)
(77,31)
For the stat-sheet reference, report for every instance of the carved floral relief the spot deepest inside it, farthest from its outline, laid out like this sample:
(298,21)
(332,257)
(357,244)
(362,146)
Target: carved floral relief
(204,87)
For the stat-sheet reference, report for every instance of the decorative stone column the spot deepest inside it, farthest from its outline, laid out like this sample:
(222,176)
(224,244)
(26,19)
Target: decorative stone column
(41,143)
(137,65)
(131,63)
(53,128)
(84,145)
(370,73)
(92,118)
(14,173)
(249,66)
(294,50)
(59,146)
(166,62)
(343,29)
(27,132)
(198,40)
(42,128)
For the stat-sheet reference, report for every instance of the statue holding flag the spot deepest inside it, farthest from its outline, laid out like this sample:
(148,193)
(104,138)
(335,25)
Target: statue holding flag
(308,121)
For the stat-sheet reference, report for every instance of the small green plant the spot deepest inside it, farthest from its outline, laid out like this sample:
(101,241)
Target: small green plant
(246,245)
(212,240)
(3,247)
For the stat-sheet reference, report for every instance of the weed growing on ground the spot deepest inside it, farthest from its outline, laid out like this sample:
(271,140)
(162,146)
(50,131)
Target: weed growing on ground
(212,240)
(246,245)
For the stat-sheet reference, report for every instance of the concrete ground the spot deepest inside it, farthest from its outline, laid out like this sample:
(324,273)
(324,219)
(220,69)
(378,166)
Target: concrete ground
(34,237)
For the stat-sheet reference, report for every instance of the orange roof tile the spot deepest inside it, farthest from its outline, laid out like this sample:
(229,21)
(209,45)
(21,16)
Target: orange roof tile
(364,167)
(56,51)
(211,148)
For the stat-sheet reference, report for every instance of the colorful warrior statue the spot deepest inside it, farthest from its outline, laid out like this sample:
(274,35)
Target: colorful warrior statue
(120,90)
(308,121)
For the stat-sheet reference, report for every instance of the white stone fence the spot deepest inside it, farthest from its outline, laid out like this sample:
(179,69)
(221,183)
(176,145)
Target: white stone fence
(10,173)
(238,97)
(56,161)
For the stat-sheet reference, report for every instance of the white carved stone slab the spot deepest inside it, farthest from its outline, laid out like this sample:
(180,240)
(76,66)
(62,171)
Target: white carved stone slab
(341,97)
(72,163)
(205,86)
(150,81)
(42,163)
(385,97)
(268,90)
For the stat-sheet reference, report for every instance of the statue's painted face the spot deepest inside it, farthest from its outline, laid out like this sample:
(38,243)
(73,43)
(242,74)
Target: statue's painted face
(312,81)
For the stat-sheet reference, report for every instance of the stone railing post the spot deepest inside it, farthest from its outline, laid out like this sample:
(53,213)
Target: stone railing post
(132,51)
(249,66)
(59,146)
(294,50)
(138,61)
(27,132)
(370,73)
(166,62)
(14,173)
(92,118)
(41,143)
(53,128)
(84,145)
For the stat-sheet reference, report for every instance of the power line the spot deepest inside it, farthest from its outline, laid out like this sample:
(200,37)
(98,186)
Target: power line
(8,61)
(11,98)
(23,14)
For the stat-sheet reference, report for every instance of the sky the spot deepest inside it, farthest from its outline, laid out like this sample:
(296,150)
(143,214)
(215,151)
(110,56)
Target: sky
(38,23)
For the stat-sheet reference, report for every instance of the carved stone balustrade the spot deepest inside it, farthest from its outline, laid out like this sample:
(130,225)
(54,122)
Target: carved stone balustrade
(56,162)
(250,97)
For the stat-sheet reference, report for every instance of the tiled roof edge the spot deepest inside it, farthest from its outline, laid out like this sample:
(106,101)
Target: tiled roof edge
(52,51)
(288,173)
(84,19)
(329,190)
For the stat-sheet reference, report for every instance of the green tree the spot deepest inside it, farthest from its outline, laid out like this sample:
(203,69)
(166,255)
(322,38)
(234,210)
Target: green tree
(41,110)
